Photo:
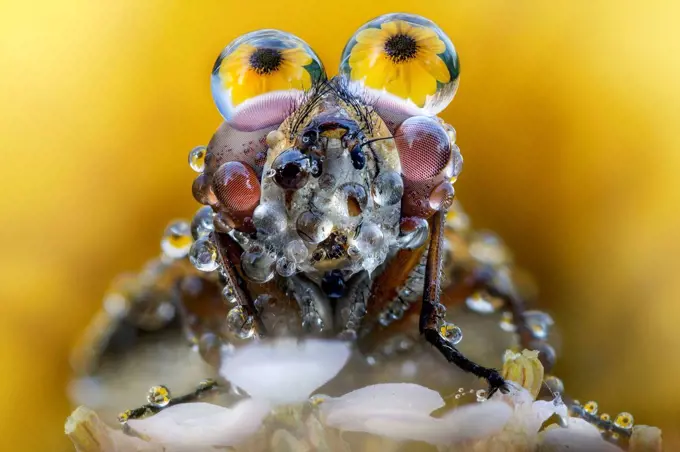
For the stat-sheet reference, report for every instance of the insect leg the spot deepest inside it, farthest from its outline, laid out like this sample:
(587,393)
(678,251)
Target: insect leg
(429,317)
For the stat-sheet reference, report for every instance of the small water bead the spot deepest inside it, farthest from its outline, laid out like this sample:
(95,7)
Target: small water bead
(370,238)
(539,323)
(202,223)
(313,227)
(456,162)
(158,396)
(229,294)
(605,417)
(451,332)
(507,323)
(197,158)
(388,188)
(461,390)
(240,323)
(481,395)
(258,264)
(177,240)
(482,303)
(554,384)
(624,420)
(296,251)
(203,255)
(591,407)
(441,196)
(457,396)
(413,232)
(203,191)
(285,267)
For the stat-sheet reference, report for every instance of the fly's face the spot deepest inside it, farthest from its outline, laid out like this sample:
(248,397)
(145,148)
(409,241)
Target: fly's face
(331,177)
(329,188)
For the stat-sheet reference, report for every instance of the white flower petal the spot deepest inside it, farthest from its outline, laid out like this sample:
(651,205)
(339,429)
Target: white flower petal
(477,420)
(286,370)
(204,424)
(580,435)
(388,397)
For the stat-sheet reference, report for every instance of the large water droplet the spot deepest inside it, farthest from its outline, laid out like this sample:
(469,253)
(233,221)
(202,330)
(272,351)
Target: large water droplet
(591,407)
(481,303)
(203,255)
(258,264)
(240,323)
(177,241)
(312,323)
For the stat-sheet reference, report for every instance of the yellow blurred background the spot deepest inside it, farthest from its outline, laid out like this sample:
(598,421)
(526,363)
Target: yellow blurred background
(567,116)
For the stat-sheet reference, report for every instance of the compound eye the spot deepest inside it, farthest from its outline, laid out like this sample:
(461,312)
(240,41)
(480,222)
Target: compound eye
(259,78)
(292,169)
(405,62)
(426,161)
(237,189)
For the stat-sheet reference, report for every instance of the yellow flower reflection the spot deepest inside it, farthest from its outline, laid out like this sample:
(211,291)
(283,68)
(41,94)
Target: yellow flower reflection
(401,58)
(250,71)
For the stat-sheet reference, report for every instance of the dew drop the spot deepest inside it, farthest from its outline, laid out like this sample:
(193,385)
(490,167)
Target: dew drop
(229,294)
(177,240)
(258,264)
(203,255)
(506,323)
(388,188)
(197,158)
(158,396)
(413,232)
(591,407)
(451,332)
(539,323)
(296,251)
(457,396)
(480,303)
(481,395)
(624,420)
(285,267)
(313,227)
(202,223)
(240,323)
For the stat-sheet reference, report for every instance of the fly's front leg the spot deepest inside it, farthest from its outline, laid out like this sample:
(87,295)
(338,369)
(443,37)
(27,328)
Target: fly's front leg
(430,318)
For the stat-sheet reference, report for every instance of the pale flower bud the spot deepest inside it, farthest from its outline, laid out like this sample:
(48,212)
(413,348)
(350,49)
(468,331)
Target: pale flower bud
(525,369)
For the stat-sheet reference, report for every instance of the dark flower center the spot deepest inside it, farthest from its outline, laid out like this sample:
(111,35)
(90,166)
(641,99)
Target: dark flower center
(265,61)
(401,48)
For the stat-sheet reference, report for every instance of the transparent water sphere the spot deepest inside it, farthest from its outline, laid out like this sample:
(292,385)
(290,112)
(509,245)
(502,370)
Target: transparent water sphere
(202,223)
(258,264)
(388,188)
(197,158)
(158,396)
(451,332)
(177,240)
(285,267)
(259,75)
(405,62)
(203,255)
(240,323)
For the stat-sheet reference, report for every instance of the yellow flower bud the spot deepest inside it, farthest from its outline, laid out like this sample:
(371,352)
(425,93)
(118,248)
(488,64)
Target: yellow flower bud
(525,369)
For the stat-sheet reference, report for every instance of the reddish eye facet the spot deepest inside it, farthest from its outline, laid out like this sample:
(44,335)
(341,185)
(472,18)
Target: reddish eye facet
(424,148)
(237,188)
